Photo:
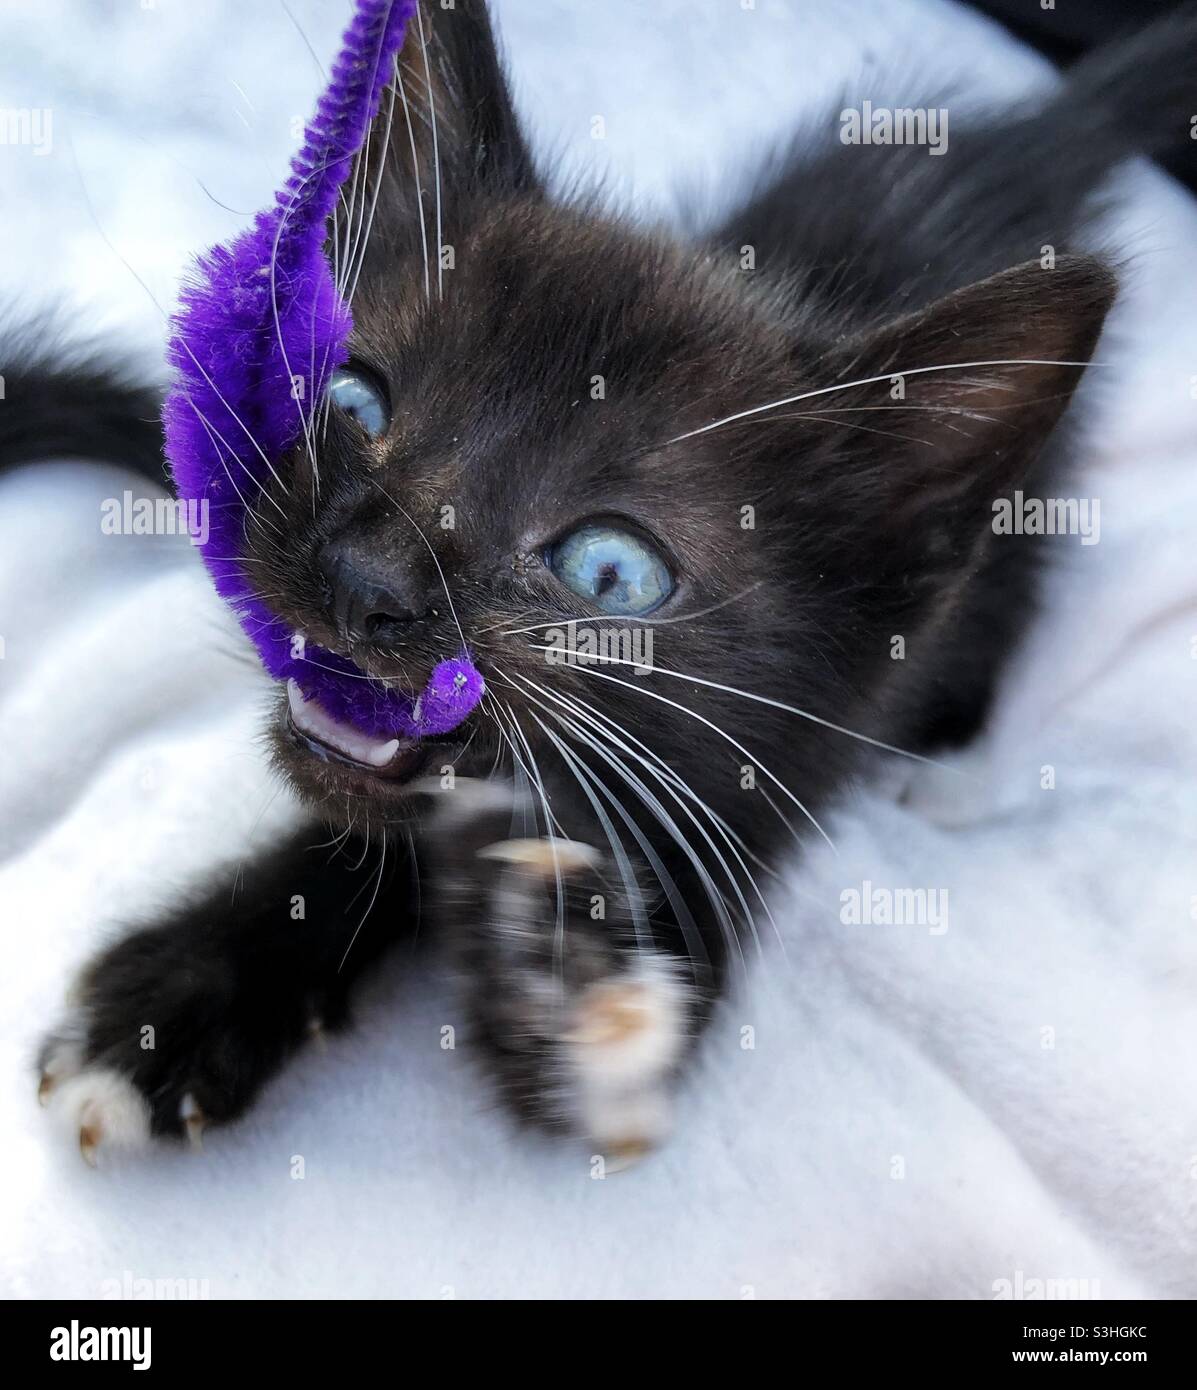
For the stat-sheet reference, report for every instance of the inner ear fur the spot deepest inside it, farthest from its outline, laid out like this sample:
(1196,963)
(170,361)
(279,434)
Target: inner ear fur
(966,433)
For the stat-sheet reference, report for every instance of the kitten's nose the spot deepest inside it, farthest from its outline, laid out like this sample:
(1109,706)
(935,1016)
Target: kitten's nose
(371,598)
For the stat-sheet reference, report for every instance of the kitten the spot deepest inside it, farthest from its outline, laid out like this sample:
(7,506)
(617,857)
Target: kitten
(769,452)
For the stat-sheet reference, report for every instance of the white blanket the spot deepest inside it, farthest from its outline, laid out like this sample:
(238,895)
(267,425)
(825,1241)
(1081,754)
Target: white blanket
(939,1114)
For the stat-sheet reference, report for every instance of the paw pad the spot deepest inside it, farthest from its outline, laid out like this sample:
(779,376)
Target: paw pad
(546,857)
(611,1014)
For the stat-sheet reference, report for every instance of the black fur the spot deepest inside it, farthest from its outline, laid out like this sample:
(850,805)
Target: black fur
(870,263)
(61,403)
(235,982)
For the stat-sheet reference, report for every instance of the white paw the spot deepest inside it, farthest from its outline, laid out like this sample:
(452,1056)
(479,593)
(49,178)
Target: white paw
(101,1109)
(591,1020)
(624,1038)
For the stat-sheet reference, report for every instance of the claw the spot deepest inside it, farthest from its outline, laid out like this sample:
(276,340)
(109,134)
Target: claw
(625,1153)
(61,1059)
(194,1121)
(90,1135)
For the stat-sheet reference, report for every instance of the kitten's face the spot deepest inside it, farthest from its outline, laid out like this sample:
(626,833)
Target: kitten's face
(503,458)
(571,418)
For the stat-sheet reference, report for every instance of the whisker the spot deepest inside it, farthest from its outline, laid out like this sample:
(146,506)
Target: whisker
(251,516)
(702,719)
(670,824)
(364,240)
(436,153)
(415,164)
(550,821)
(518,770)
(640,921)
(673,782)
(552,824)
(685,917)
(871,380)
(306,41)
(432,552)
(304,417)
(382,859)
(773,704)
(244,428)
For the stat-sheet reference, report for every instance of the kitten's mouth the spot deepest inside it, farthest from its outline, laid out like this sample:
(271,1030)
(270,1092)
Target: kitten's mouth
(318,733)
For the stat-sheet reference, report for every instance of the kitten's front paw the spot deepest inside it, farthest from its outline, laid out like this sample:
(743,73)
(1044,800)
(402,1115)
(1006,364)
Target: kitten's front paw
(168,1031)
(584,1020)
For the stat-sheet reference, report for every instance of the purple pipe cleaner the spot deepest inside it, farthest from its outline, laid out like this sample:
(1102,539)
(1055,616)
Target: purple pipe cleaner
(261,324)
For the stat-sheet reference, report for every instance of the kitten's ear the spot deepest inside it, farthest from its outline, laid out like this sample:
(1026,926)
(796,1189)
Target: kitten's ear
(446,119)
(1005,356)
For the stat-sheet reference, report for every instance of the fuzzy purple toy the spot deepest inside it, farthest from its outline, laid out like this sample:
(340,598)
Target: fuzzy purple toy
(260,315)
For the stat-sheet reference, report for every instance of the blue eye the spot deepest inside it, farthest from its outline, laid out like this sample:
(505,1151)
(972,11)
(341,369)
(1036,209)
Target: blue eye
(615,570)
(357,396)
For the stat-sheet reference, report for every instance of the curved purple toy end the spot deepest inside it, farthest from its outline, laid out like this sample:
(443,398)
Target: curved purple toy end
(453,691)
(254,314)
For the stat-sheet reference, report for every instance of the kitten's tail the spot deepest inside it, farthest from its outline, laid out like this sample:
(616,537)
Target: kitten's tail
(72,405)
(1042,170)
(1136,95)
(1139,92)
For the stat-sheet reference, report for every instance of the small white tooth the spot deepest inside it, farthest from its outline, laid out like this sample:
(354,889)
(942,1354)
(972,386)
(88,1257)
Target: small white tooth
(309,717)
(380,756)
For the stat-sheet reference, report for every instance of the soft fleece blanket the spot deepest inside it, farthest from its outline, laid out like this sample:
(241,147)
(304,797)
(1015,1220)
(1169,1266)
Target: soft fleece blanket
(929,1114)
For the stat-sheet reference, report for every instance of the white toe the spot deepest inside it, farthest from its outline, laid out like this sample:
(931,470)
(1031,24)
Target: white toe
(103,1109)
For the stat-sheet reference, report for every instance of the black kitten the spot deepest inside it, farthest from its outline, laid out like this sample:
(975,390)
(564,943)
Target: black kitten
(761,464)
